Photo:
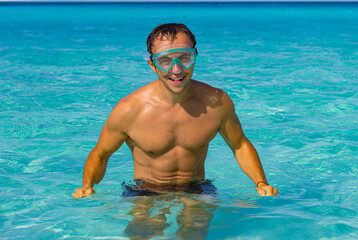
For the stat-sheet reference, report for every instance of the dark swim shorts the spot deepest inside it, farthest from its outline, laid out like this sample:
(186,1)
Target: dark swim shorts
(142,188)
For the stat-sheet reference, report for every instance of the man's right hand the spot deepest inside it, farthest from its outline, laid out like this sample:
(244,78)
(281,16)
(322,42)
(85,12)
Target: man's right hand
(83,192)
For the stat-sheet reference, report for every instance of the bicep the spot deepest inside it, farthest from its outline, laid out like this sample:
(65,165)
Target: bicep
(111,138)
(230,128)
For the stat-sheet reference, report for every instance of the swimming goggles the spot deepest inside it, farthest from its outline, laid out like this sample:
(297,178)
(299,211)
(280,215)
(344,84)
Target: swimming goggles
(182,56)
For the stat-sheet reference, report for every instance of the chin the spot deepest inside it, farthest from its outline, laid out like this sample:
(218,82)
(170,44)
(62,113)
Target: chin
(179,88)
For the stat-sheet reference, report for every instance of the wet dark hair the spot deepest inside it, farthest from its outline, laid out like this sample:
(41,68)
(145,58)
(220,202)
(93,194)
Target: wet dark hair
(169,30)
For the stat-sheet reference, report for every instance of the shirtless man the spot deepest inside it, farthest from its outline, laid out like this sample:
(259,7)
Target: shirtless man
(169,122)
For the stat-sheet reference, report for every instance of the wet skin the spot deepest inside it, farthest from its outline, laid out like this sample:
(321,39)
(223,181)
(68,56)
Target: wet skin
(168,125)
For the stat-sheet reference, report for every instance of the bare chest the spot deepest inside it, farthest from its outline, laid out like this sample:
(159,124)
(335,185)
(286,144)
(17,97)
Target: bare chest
(158,132)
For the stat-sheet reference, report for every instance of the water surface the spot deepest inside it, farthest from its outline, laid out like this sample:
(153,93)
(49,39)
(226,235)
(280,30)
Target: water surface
(291,70)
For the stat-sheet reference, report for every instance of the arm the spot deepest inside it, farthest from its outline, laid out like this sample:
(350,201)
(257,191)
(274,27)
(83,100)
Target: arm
(111,138)
(245,153)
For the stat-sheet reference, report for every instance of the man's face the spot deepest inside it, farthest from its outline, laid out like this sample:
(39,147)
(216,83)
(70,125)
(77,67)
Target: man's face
(177,78)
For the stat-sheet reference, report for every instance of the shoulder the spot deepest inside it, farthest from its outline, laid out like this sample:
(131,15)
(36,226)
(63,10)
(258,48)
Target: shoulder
(127,109)
(215,96)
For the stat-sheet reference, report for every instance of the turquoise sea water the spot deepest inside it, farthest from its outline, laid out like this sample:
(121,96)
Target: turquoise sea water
(291,70)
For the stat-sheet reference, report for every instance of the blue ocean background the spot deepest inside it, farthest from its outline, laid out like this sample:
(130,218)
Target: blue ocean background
(290,68)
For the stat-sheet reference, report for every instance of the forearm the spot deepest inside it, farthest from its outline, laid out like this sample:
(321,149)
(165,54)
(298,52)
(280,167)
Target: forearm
(95,168)
(249,161)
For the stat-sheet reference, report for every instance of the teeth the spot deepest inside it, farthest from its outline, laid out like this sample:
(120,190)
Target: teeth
(176,79)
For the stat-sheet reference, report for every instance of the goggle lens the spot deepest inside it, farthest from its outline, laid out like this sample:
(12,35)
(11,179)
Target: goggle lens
(183,57)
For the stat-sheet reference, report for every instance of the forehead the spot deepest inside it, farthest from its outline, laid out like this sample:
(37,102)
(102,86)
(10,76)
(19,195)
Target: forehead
(166,43)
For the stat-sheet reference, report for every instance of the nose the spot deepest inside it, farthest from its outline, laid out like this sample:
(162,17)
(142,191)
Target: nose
(176,69)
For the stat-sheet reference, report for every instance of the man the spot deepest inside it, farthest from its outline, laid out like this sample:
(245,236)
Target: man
(169,123)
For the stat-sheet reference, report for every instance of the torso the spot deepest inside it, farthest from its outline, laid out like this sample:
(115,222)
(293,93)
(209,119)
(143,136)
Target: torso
(170,143)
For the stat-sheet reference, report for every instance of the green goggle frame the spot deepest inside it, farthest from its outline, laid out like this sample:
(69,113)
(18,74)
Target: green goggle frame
(154,57)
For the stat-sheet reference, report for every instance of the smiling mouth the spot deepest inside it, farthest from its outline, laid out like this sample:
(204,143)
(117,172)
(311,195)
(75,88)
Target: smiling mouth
(177,80)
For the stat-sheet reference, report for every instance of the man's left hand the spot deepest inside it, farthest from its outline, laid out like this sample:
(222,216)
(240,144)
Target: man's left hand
(267,190)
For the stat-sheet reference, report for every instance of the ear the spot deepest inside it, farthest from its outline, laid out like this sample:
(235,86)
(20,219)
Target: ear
(151,64)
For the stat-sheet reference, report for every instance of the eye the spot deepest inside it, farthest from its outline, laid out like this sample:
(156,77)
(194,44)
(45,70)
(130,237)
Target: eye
(185,58)
(164,61)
